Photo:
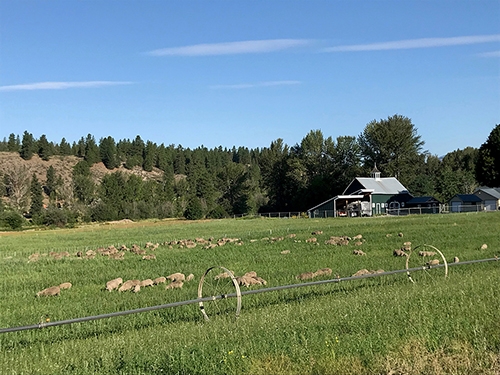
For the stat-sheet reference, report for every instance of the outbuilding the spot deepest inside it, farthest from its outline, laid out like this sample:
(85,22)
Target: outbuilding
(490,198)
(465,203)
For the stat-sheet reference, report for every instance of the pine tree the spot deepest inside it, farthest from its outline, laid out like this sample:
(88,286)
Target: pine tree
(27,146)
(36,196)
(107,150)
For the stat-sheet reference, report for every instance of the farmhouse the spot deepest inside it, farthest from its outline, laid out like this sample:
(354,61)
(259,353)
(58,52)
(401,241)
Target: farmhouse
(490,198)
(365,196)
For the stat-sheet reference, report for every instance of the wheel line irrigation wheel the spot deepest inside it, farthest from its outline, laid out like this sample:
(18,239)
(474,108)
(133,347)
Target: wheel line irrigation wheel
(425,267)
(217,291)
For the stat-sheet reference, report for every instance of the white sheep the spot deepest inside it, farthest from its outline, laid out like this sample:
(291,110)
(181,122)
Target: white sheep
(52,291)
(65,286)
(176,277)
(114,284)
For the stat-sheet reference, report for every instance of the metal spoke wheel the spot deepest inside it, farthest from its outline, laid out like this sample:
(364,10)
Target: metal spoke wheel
(220,293)
(430,260)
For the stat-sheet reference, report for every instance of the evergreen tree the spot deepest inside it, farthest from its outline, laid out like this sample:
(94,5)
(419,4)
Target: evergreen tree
(91,150)
(149,156)
(13,145)
(51,183)
(36,195)
(83,186)
(45,149)
(27,146)
(64,148)
(194,209)
(107,151)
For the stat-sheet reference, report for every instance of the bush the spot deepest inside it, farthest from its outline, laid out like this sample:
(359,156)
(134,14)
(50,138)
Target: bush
(218,213)
(56,217)
(12,220)
(194,210)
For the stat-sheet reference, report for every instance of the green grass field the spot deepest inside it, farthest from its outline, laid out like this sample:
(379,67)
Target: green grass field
(380,325)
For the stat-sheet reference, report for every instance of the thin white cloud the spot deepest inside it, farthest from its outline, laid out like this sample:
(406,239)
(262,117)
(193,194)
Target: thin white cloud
(258,84)
(61,85)
(416,43)
(231,48)
(490,54)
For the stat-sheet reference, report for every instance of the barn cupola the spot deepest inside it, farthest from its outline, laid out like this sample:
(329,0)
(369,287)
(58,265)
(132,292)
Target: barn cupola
(376,173)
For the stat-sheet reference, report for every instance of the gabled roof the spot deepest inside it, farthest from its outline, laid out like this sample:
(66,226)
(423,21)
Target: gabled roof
(494,192)
(383,185)
(468,197)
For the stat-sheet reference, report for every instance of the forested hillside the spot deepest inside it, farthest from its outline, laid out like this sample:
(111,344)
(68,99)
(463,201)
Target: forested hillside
(60,183)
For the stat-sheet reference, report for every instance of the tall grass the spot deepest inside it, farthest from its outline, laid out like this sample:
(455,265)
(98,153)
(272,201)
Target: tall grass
(378,325)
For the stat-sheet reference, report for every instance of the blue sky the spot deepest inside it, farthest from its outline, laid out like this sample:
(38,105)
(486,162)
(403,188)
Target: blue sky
(244,73)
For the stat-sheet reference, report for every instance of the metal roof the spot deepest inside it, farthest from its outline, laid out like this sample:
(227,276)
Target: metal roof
(494,192)
(468,197)
(382,185)
(337,197)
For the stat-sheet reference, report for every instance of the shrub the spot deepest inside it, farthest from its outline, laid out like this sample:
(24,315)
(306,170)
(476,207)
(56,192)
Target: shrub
(12,220)
(194,210)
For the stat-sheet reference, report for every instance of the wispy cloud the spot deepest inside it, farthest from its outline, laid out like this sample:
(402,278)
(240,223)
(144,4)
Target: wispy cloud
(232,48)
(258,84)
(490,54)
(416,43)
(61,85)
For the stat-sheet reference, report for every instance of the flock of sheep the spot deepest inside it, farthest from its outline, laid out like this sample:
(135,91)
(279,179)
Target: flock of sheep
(177,280)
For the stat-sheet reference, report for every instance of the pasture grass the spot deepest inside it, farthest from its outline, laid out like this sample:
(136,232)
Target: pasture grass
(382,325)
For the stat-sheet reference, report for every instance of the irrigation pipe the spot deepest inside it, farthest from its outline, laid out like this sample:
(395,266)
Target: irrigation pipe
(231,295)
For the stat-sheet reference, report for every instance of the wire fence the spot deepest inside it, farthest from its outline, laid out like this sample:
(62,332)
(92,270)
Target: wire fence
(232,295)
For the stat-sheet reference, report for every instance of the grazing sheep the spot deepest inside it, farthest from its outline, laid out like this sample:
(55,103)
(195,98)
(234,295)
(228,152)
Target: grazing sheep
(312,240)
(52,291)
(147,282)
(358,243)
(65,286)
(79,254)
(323,272)
(388,235)
(128,285)
(456,260)
(175,285)
(317,232)
(176,277)
(400,234)
(247,281)
(114,284)
(261,280)
(284,252)
(305,276)
(399,253)
(190,277)
(251,274)
(426,253)
(359,252)
(34,257)
(149,257)
(223,275)
(484,246)
(160,280)
(339,241)
(433,262)
(136,288)
(362,272)
(358,237)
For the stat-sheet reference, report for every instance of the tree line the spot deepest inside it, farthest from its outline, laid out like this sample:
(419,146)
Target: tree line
(221,182)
